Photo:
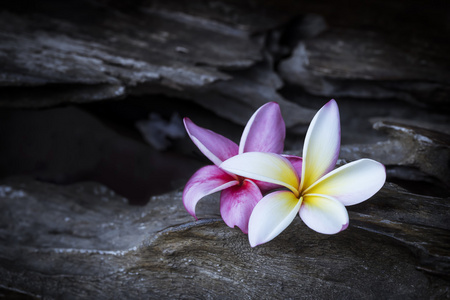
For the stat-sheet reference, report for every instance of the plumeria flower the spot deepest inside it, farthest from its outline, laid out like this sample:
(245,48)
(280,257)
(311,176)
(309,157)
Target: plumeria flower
(314,190)
(264,132)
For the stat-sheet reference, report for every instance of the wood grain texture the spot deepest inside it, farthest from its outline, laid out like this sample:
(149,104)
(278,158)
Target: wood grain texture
(68,153)
(62,242)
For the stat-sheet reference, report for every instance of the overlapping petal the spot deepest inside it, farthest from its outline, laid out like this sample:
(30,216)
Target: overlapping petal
(296,162)
(214,146)
(237,203)
(352,183)
(271,216)
(317,192)
(323,214)
(265,131)
(205,181)
(265,187)
(322,143)
(267,167)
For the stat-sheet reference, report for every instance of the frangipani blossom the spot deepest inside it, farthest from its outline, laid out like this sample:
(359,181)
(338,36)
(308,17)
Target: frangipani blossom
(315,191)
(264,132)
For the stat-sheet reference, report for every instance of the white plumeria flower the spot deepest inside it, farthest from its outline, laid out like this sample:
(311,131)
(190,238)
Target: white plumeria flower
(315,191)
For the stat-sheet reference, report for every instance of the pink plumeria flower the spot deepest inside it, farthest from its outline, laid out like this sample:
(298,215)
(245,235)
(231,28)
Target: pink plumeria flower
(264,132)
(315,191)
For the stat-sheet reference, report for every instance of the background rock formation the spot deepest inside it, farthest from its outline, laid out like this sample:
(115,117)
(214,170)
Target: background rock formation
(92,164)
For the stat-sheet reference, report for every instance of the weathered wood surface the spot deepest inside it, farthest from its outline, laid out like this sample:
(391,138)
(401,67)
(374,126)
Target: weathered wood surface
(84,241)
(365,64)
(100,52)
(216,62)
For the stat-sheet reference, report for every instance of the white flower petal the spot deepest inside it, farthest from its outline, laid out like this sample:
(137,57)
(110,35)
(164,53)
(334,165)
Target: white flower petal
(323,214)
(352,183)
(268,167)
(271,216)
(322,143)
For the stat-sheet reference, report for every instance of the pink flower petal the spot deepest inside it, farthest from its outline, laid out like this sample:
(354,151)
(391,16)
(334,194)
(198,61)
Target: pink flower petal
(214,146)
(268,167)
(237,203)
(205,181)
(322,143)
(271,216)
(266,187)
(296,162)
(323,214)
(265,131)
(352,183)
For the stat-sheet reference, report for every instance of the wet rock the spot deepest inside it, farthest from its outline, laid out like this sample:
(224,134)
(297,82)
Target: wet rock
(88,242)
